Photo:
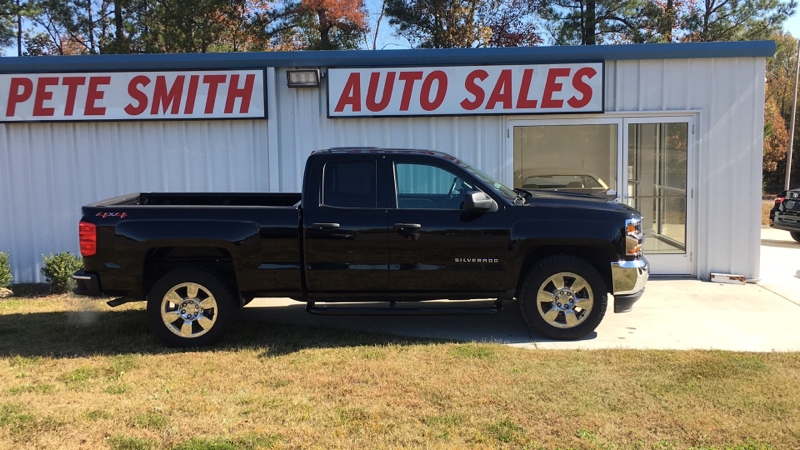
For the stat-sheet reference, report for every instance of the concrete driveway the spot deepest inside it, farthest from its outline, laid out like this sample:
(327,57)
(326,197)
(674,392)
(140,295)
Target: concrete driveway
(673,314)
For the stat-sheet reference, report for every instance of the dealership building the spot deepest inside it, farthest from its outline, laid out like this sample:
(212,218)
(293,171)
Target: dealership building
(674,130)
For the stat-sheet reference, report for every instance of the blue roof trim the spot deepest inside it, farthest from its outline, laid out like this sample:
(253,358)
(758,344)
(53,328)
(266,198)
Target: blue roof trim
(387,58)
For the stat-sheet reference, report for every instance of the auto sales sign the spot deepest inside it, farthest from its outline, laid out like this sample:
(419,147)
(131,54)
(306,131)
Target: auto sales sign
(456,91)
(207,94)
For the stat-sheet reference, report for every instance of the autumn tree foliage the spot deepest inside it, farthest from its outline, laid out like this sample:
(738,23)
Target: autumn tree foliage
(335,23)
(776,137)
(463,23)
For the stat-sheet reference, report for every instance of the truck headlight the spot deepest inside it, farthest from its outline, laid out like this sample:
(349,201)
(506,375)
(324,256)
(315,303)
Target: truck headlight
(634,238)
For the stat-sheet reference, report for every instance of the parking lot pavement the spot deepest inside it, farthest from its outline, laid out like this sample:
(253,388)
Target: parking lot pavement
(780,264)
(672,314)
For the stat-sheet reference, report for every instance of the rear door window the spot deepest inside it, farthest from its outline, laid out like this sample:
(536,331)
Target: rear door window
(350,184)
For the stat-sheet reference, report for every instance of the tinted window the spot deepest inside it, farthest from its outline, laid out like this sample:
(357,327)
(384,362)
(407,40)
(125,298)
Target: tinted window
(350,184)
(421,186)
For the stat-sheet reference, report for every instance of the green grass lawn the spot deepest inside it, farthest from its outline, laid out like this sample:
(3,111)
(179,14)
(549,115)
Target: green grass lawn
(77,374)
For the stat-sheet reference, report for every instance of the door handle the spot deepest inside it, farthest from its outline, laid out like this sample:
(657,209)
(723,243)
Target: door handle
(325,225)
(407,226)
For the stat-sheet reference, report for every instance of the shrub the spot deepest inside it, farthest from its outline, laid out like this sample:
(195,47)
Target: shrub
(58,270)
(5,271)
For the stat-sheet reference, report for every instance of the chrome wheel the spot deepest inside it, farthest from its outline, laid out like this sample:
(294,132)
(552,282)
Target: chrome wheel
(564,300)
(189,310)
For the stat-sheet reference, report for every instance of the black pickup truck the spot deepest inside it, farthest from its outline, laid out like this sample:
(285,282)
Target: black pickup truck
(373,230)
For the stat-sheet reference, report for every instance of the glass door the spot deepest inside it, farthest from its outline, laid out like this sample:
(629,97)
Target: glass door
(656,157)
(642,162)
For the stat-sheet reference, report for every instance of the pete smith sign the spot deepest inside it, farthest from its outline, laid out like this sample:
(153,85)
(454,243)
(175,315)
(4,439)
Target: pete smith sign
(207,94)
(483,90)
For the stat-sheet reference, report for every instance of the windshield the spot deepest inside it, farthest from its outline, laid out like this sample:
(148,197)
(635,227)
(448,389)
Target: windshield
(498,187)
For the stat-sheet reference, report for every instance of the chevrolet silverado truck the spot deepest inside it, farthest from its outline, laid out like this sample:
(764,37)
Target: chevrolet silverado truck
(374,232)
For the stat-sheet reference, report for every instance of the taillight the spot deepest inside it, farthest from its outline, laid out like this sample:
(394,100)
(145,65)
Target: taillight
(780,199)
(88,238)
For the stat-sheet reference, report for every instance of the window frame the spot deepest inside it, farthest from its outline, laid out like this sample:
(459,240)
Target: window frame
(378,197)
(391,184)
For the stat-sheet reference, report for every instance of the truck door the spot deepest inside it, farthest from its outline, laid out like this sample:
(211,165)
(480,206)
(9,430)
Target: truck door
(346,242)
(435,245)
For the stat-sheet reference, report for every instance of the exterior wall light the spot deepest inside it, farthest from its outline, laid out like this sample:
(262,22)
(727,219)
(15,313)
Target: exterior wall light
(302,78)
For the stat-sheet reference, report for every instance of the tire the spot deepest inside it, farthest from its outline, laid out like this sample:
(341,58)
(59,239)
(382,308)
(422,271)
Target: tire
(200,298)
(561,313)
(795,235)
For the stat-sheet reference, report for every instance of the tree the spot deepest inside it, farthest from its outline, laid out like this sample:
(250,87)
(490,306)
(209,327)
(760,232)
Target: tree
(591,22)
(736,20)
(332,24)
(8,22)
(776,137)
(464,23)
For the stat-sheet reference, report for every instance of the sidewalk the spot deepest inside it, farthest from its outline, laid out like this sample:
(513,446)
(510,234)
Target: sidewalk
(780,264)
(673,314)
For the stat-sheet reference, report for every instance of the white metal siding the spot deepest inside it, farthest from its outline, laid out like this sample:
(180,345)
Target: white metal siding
(729,95)
(47,171)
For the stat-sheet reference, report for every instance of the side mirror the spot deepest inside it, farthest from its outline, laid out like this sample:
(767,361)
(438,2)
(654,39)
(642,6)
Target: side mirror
(479,201)
(611,194)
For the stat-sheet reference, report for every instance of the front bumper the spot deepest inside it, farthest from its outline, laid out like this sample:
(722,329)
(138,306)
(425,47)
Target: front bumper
(629,278)
(88,284)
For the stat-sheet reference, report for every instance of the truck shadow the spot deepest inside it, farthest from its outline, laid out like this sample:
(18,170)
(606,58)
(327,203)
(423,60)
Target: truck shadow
(277,330)
(779,243)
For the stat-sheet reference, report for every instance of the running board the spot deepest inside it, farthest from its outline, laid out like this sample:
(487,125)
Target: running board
(392,310)
(120,301)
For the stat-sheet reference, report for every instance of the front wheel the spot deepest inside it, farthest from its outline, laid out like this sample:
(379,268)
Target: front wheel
(190,307)
(795,235)
(563,298)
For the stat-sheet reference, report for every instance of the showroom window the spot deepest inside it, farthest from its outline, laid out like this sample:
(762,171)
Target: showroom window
(569,158)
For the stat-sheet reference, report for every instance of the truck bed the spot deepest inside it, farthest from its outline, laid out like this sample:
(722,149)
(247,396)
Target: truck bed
(281,200)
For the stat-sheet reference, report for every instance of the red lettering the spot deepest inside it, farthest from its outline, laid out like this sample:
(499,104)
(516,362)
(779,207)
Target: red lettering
(552,86)
(582,87)
(473,88)
(502,91)
(72,84)
(351,94)
(15,96)
(522,100)
(163,99)
(408,78)
(372,91)
(138,95)
(93,95)
(244,93)
(441,90)
(191,95)
(42,94)
(213,82)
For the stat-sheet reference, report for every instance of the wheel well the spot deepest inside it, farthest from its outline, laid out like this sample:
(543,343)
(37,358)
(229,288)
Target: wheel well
(597,257)
(160,260)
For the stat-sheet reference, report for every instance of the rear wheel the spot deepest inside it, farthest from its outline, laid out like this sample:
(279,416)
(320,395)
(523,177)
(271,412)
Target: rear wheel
(795,235)
(563,297)
(190,307)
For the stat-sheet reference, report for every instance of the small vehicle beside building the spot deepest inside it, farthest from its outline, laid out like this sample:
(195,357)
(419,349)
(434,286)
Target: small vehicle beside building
(376,227)
(785,214)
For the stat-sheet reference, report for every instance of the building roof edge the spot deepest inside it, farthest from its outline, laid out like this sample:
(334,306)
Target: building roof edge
(388,58)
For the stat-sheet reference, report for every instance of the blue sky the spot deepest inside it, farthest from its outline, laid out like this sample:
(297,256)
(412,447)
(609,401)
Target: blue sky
(793,25)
